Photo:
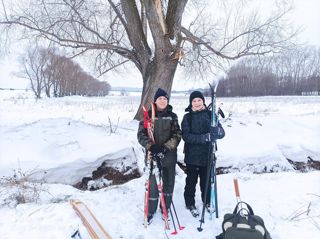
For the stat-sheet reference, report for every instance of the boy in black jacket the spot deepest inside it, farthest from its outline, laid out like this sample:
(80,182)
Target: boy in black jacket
(198,135)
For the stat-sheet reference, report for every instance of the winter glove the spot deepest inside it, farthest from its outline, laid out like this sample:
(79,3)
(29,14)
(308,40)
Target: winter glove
(158,151)
(205,138)
(216,132)
(154,149)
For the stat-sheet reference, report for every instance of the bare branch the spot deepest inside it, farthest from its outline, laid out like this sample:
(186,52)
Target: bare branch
(135,31)
(111,68)
(157,23)
(4,10)
(174,17)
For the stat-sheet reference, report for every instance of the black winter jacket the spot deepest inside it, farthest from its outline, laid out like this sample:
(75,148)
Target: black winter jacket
(195,125)
(166,132)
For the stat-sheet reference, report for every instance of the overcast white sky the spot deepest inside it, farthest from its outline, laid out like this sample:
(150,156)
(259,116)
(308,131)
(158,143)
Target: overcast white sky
(305,14)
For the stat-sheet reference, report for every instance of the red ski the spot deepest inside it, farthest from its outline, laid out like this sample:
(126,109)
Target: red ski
(148,123)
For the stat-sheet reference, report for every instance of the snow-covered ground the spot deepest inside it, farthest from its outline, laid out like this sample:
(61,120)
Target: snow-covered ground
(63,140)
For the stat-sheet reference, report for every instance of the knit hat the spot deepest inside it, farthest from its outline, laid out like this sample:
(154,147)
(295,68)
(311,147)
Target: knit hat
(160,92)
(196,94)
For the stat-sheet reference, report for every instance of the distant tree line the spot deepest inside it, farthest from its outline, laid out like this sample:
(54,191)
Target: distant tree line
(293,72)
(58,76)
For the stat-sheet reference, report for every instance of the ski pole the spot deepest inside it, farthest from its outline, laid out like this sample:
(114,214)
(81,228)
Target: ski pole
(174,225)
(175,212)
(162,200)
(205,193)
(76,234)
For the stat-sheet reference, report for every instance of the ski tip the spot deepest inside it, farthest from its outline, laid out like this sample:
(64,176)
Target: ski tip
(182,227)
(174,233)
(214,86)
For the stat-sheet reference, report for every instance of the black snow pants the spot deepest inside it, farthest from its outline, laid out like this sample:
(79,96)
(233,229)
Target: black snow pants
(168,178)
(193,172)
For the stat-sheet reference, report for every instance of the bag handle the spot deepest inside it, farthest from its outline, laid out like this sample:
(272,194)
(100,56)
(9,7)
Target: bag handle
(235,211)
(249,212)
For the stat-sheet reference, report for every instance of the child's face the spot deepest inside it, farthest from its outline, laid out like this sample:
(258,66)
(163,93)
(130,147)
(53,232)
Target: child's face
(197,103)
(161,102)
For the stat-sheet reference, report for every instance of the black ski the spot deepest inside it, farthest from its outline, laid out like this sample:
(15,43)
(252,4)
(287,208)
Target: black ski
(211,169)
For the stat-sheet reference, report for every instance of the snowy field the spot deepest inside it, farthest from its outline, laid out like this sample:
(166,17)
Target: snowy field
(60,141)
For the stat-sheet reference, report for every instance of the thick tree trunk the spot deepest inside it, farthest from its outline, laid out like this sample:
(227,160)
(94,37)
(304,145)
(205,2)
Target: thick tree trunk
(161,75)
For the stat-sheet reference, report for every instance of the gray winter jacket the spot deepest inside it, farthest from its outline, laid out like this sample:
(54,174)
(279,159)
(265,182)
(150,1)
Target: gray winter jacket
(166,133)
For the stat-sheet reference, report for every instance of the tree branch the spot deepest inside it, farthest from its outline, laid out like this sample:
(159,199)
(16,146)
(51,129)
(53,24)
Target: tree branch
(174,16)
(135,32)
(157,23)
(111,68)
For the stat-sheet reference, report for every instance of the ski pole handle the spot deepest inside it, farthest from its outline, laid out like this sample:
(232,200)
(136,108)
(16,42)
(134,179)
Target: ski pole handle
(236,188)
(220,112)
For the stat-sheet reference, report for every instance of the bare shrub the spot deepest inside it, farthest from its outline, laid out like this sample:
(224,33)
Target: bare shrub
(113,126)
(19,189)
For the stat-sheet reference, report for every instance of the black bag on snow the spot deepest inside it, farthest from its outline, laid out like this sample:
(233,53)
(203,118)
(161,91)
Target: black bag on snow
(243,224)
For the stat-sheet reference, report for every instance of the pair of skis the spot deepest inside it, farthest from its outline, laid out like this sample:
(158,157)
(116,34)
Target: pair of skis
(148,123)
(211,167)
(154,169)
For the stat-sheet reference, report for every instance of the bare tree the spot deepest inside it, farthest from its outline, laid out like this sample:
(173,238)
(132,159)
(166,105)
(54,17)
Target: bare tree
(116,32)
(52,73)
(292,72)
(34,64)
(49,69)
